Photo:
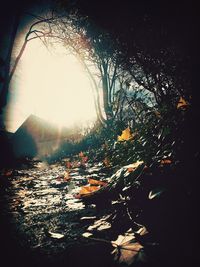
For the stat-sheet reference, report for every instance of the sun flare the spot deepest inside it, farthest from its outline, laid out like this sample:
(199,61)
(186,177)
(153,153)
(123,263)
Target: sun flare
(51,85)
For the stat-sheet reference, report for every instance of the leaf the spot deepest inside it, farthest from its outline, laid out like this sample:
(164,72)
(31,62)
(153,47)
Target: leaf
(165,161)
(96,182)
(88,218)
(81,154)
(84,159)
(158,114)
(106,162)
(86,234)
(133,166)
(100,224)
(67,176)
(125,136)
(182,103)
(87,190)
(56,235)
(126,249)
(68,164)
(155,193)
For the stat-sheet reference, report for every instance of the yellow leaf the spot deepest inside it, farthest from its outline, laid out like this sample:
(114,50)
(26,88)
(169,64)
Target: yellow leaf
(126,135)
(182,103)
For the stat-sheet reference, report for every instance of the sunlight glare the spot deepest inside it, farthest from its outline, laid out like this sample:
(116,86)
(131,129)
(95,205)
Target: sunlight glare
(51,85)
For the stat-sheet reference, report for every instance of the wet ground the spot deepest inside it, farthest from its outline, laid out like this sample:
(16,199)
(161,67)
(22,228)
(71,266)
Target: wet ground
(42,221)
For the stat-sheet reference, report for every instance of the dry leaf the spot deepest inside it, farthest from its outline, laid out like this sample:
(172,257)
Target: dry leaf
(155,193)
(126,249)
(86,234)
(125,136)
(56,235)
(67,176)
(84,159)
(96,182)
(106,162)
(68,164)
(157,114)
(87,190)
(182,103)
(81,154)
(133,166)
(166,161)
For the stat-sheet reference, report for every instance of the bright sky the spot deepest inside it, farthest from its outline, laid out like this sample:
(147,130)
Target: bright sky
(50,85)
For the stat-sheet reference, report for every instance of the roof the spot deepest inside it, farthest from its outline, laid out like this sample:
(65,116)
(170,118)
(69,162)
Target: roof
(42,130)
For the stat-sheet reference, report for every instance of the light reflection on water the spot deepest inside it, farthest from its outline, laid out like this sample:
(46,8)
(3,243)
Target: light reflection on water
(42,202)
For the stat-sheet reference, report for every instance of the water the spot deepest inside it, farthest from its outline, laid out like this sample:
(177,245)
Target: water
(41,213)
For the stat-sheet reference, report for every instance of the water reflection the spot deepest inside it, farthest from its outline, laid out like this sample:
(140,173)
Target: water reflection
(42,203)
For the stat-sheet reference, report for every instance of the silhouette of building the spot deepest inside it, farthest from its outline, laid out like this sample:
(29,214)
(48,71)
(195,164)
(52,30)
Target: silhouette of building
(37,137)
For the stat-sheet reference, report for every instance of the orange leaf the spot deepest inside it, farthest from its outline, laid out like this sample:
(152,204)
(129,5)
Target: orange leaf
(166,161)
(86,190)
(130,169)
(96,182)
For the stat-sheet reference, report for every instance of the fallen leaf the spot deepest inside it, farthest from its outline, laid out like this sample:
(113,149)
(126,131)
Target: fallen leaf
(87,190)
(68,164)
(125,136)
(100,224)
(84,159)
(142,231)
(166,161)
(96,182)
(182,103)
(157,114)
(86,234)
(56,235)
(126,249)
(133,166)
(88,218)
(106,162)
(67,176)
(81,154)
(155,193)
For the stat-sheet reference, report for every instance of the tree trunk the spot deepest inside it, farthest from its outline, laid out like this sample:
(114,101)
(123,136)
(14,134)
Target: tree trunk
(5,87)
